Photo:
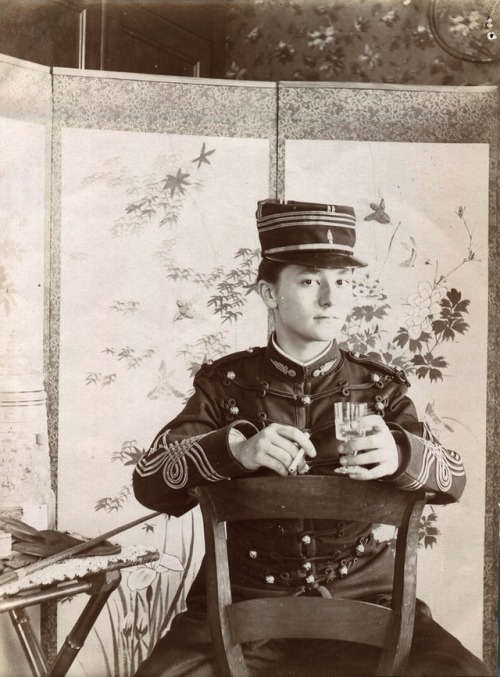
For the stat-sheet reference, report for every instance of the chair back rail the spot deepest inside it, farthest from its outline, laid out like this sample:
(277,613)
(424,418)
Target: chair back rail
(317,497)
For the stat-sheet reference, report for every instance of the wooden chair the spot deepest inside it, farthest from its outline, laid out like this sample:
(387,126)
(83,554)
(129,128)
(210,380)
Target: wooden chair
(320,497)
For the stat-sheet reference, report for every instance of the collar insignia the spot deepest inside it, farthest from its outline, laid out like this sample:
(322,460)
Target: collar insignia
(284,369)
(324,368)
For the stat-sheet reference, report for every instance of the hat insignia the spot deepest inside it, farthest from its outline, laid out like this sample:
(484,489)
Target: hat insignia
(330,237)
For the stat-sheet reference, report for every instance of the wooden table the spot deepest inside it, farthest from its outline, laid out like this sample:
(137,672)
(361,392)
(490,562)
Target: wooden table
(97,576)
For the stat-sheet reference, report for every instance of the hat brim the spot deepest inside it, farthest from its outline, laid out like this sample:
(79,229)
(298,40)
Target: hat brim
(319,259)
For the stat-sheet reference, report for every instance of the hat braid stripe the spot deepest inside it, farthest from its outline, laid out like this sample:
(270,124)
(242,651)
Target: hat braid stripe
(310,247)
(308,212)
(318,217)
(325,224)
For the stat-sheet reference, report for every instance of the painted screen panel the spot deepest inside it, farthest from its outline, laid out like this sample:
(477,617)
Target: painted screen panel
(434,116)
(25,117)
(152,284)
(426,244)
(157,251)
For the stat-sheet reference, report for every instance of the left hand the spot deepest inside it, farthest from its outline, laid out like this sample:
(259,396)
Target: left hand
(377,448)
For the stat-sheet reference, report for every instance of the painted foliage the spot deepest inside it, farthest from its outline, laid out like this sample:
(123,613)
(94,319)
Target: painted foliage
(22,167)
(141,364)
(152,286)
(24,454)
(421,304)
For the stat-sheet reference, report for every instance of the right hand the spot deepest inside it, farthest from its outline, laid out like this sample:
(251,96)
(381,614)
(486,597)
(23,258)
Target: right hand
(274,447)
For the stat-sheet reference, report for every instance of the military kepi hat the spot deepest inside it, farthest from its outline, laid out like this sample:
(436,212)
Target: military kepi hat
(307,233)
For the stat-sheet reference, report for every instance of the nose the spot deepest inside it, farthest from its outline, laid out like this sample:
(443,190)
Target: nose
(325,293)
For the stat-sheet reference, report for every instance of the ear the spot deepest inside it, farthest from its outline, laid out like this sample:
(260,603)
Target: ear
(267,292)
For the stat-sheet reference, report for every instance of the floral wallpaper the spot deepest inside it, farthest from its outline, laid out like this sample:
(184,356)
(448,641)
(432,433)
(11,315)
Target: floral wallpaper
(433,42)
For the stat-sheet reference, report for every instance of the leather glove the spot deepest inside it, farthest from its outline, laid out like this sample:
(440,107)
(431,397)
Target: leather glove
(29,541)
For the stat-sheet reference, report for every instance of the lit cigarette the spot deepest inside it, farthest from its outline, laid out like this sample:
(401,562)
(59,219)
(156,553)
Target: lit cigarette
(292,468)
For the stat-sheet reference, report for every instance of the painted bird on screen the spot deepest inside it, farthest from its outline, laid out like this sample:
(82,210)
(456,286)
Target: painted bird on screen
(378,214)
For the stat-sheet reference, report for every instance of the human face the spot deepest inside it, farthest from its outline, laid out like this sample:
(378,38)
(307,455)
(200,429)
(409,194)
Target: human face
(310,307)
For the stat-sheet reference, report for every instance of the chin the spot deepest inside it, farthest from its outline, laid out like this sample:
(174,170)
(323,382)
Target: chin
(327,332)
(323,336)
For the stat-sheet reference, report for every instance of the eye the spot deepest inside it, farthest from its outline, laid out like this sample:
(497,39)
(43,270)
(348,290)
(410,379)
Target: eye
(343,282)
(309,281)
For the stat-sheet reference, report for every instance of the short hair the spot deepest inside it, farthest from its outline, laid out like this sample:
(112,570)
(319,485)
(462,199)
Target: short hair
(269,270)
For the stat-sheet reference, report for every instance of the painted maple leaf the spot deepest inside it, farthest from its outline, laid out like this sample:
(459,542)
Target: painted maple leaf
(177,182)
(427,531)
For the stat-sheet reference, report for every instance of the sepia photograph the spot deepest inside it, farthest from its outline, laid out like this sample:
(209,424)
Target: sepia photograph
(249,298)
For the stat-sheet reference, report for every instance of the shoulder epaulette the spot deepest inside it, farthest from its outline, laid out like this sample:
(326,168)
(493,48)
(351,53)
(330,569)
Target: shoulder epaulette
(213,365)
(397,374)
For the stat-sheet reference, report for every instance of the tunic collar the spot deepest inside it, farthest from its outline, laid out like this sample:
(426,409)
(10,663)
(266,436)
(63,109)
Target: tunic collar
(290,369)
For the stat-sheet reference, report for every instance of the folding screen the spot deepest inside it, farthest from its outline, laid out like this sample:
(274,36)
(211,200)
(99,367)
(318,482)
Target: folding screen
(418,165)
(154,250)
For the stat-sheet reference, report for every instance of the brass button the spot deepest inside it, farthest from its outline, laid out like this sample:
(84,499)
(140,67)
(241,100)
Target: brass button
(231,375)
(306,539)
(306,400)
(234,411)
(310,579)
(252,554)
(270,579)
(307,566)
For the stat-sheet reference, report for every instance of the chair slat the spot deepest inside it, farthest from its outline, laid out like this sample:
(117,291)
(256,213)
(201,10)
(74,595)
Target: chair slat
(309,617)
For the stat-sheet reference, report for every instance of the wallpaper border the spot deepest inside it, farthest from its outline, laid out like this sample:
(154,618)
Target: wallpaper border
(419,114)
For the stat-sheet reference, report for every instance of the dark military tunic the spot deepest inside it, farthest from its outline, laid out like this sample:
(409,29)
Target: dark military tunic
(249,390)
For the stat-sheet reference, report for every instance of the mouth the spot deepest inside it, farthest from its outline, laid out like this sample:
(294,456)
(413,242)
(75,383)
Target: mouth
(326,317)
